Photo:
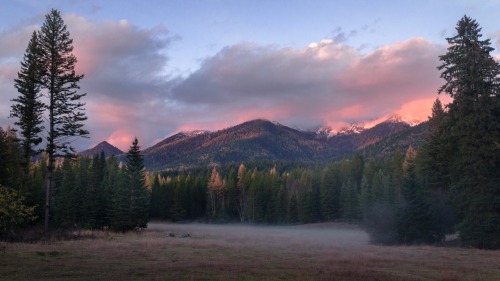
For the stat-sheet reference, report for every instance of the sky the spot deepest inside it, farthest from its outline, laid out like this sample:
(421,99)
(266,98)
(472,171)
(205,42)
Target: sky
(154,68)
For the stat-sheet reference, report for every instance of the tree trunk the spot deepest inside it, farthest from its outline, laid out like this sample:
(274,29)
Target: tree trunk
(50,170)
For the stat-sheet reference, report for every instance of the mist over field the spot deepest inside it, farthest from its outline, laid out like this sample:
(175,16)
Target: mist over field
(310,237)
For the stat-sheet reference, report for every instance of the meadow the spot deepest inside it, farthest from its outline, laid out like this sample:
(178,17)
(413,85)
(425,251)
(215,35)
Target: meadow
(328,251)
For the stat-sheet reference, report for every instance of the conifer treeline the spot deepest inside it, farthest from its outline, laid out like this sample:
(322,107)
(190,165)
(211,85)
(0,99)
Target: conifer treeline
(91,193)
(88,191)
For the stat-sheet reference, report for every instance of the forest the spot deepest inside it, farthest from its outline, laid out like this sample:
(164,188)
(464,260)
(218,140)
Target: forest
(450,184)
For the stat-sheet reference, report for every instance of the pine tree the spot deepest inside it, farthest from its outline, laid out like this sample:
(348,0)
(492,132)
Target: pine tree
(58,78)
(178,209)
(138,192)
(111,178)
(330,193)
(415,224)
(349,195)
(434,156)
(473,129)
(67,211)
(27,106)
(10,159)
(433,168)
(242,192)
(120,211)
(130,199)
(154,210)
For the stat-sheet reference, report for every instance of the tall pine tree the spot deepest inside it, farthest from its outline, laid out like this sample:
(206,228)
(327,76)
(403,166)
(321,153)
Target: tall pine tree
(138,192)
(27,106)
(50,65)
(473,131)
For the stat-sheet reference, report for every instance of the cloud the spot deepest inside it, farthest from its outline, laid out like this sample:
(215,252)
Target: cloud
(328,82)
(124,74)
(124,79)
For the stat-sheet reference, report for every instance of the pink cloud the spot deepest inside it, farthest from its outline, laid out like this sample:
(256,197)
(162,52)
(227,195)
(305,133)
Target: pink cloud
(121,139)
(420,109)
(323,83)
(109,113)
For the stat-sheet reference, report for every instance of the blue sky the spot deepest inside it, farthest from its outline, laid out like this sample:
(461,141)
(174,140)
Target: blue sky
(181,65)
(202,28)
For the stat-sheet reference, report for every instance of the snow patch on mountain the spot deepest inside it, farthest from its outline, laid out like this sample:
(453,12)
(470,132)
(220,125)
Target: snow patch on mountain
(192,133)
(359,127)
(398,118)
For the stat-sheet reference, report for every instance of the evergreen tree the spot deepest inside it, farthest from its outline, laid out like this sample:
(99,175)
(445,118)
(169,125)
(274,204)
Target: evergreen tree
(109,186)
(58,77)
(154,210)
(102,197)
(242,192)
(366,196)
(330,193)
(68,207)
(473,131)
(432,165)
(396,173)
(415,224)
(349,200)
(131,200)
(10,159)
(35,187)
(139,194)
(178,209)
(27,106)
(305,199)
(120,212)
(433,157)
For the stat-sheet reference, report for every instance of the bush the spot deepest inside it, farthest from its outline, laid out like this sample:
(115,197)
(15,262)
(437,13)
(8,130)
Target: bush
(13,212)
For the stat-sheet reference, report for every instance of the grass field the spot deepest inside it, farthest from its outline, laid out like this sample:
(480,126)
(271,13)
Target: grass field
(241,252)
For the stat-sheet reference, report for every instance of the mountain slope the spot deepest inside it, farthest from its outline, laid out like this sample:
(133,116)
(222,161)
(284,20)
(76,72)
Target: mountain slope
(262,140)
(401,140)
(251,141)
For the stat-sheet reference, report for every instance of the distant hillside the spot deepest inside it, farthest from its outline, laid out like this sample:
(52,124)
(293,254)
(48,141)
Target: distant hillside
(400,140)
(251,141)
(104,146)
(262,140)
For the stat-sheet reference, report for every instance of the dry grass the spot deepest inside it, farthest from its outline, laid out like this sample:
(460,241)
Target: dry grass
(240,252)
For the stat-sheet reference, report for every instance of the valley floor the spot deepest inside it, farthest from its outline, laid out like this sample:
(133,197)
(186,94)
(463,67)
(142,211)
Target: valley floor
(328,251)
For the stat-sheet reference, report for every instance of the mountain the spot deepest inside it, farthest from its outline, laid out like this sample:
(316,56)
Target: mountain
(354,128)
(262,140)
(414,135)
(104,146)
(256,140)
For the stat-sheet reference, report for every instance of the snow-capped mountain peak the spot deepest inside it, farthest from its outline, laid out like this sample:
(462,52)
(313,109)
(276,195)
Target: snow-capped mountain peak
(398,118)
(354,128)
(358,127)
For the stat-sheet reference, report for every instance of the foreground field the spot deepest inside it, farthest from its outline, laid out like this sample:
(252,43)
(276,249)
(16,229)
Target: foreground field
(241,252)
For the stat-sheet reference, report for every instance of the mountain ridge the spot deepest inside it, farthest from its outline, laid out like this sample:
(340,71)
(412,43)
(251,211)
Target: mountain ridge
(264,140)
